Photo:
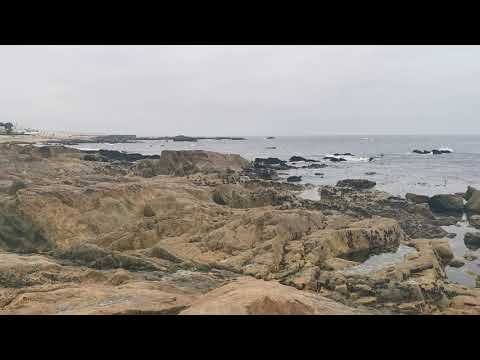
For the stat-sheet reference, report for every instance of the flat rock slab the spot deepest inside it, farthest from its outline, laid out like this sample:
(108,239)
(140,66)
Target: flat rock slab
(248,296)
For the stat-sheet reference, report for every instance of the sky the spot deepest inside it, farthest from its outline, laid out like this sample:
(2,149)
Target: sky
(242,90)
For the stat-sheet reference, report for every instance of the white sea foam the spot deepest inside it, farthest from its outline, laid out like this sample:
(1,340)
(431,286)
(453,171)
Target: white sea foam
(348,158)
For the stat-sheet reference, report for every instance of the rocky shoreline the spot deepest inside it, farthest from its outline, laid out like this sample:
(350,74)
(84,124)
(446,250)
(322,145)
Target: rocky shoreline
(198,232)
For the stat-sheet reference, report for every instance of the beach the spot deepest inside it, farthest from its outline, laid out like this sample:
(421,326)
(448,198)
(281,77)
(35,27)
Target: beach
(196,231)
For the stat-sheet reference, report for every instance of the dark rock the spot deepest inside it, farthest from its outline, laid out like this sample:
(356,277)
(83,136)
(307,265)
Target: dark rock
(472,240)
(148,211)
(294,178)
(271,147)
(438,152)
(446,203)
(421,151)
(300,158)
(334,159)
(358,184)
(417,199)
(270,137)
(370,173)
(268,162)
(315,166)
(319,174)
(456,263)
(184,138)
(261,173)
(90,157)
(345,154)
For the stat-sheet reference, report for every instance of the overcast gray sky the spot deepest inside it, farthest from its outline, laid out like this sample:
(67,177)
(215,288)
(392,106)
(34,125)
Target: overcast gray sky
(242,90)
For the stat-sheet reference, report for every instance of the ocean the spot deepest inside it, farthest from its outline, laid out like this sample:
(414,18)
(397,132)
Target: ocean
(397,170)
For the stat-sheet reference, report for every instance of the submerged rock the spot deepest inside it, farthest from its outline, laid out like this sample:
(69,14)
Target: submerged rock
(296,158)
(358,184)
(456,263)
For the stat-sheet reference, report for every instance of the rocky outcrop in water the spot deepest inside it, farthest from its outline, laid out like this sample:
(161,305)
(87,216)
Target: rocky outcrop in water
(297,158)
(434,151)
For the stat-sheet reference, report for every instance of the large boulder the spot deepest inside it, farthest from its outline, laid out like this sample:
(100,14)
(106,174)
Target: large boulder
(417,199)
(468,194)
(237,196)
(446,203)
(248,296)
(296,158)
(474,220)
(472,240)
(187,162)
(358,184)
(473,203)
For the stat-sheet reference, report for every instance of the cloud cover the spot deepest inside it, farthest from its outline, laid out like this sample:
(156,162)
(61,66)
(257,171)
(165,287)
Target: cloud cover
(242,90)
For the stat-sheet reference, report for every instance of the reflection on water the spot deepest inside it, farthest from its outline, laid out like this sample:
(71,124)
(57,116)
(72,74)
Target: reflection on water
(380,261)
(467,274)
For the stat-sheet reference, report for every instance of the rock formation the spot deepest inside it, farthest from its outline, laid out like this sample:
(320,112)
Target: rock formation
(171,235)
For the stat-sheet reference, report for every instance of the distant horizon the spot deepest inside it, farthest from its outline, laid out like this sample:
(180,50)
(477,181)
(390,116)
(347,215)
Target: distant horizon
(239,89)
(103,133)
